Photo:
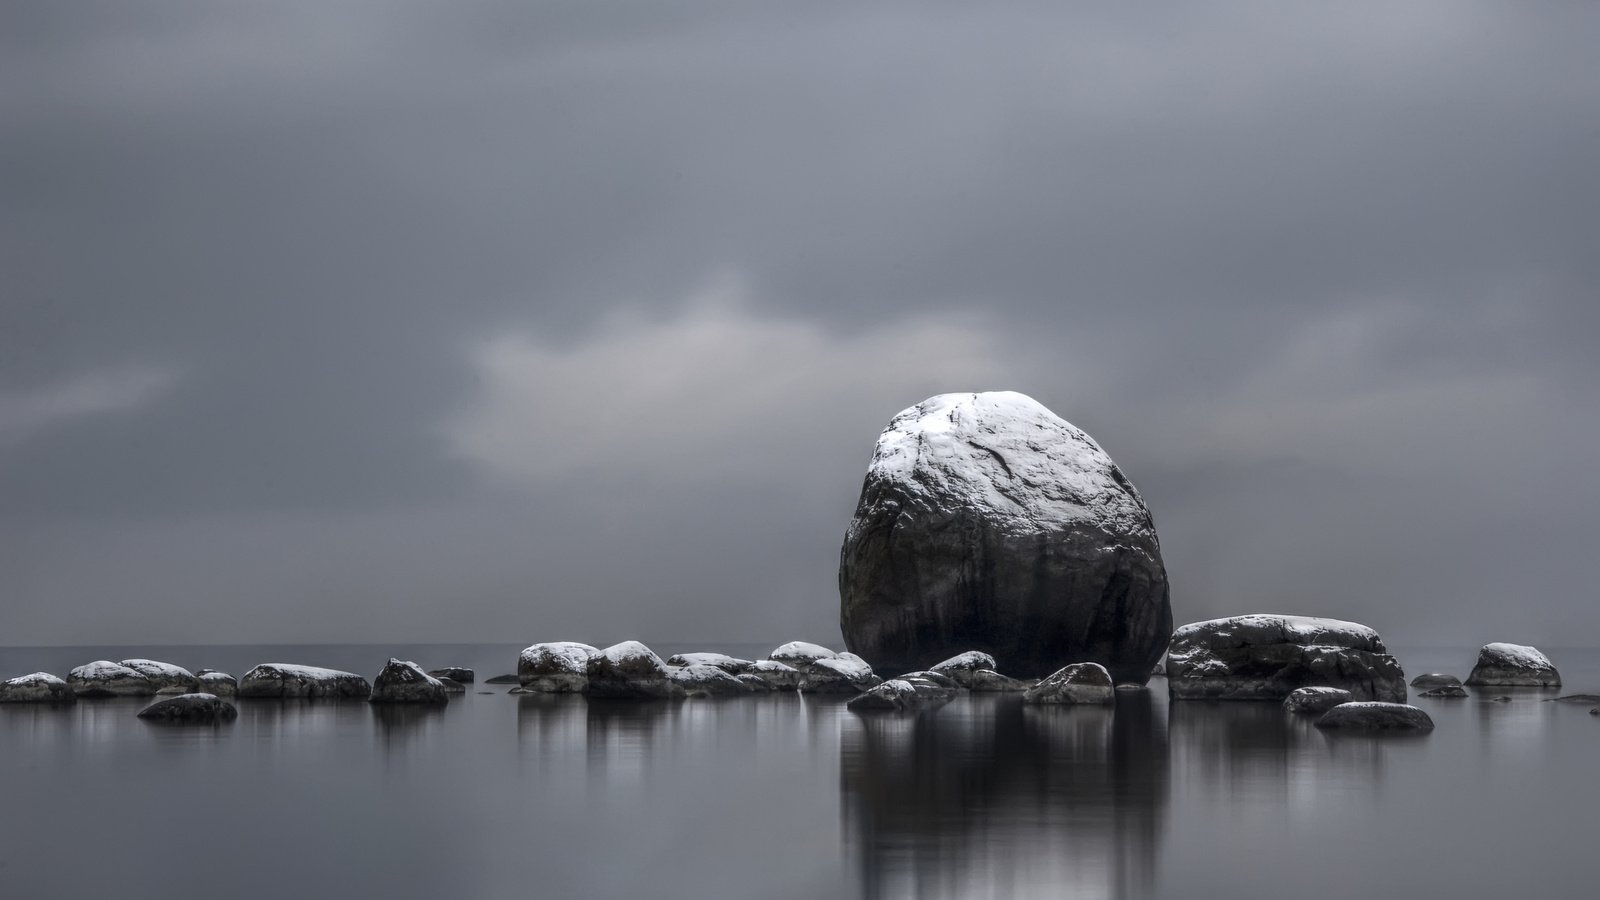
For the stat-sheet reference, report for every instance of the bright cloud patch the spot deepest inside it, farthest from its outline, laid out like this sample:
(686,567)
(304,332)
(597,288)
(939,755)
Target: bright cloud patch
(24,414)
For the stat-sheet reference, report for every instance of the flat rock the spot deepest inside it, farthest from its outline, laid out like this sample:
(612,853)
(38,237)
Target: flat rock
(104,678)
(1265,657)
(1315,699)
(1084,683)
(986,522)
(290,680)
(845,673)
(458,674)
(1367,715)
(220,683)
(709,681)
(39,687)
(629,671)
(776,675)
(164,675)
(1444,691)
(730,664)
(1513,665)
(554,667)
(800,654)
(1435,679)
(401,681)
(195,708)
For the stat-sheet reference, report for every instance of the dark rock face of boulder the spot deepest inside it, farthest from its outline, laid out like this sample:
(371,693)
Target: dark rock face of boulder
(458,674)
(986,522)
(405,682)
(1315,699)
(1446,691)
(629,671)
(1078,683)
(1264,657)
(288,680)
(192,708)
(1513,665)
(104,678)
(1434,680)
(40,687)
(1374,716)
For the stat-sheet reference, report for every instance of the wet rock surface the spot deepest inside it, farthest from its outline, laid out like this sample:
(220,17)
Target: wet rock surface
(1315,699)
(1449,691)
(554,667)
(458,674)
(629,671)
(1265,657)
(1434,680)
(104,678)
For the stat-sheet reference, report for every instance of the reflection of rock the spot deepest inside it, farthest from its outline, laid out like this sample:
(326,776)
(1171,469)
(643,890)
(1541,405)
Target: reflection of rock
(1315,699)
(1077,683)
(1371,715)
(104,678)
(987,522)
(196,708)
(1264,657)
(1513,665)
(40,687)
(944,805)
(287,680)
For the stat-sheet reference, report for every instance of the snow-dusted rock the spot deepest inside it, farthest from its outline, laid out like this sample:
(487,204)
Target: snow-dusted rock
(555,667)
(730,664)
(1078,683)
(986,522)
(1513,665)
(709,681)
(910,692)
(1315,699)
(800,654)
(987,681)
(962,666)
(1264,657)
(451,686)
(1367,715)
(164,676)
(845,673)
(755,683)
(197,708)
(1433,680)
(220,683)
(629,671)
(288,680)
(40,687)
(1443,691)
(458,674)
(405,682)
(503,679)
(776,675)
(104,678)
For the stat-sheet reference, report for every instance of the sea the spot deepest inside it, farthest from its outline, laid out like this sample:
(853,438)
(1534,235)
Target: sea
(786,796)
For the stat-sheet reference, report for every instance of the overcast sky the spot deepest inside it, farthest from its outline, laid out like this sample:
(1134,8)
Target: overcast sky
(532,321)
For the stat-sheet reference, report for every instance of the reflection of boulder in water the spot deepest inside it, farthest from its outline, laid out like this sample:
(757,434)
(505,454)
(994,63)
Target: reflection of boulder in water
(989,797)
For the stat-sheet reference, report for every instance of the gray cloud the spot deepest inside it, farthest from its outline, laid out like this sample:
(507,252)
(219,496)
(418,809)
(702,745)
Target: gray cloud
(1321,280)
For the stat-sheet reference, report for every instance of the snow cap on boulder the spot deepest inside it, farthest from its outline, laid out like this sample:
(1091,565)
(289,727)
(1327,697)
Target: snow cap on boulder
(1513,665)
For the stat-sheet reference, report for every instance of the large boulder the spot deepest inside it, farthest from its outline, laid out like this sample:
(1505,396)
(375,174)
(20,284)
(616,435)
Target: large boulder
(1265,657)
(166,677)
(1078,683)
(104,678)
(288,680)
(800,654)
(1513,665)
(406,682)
(554,667)
(986,522)
(629,671)
(40,687)
(194,708)
(1362,715)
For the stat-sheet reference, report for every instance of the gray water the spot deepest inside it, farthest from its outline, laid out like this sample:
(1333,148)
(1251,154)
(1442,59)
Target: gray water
(786,796)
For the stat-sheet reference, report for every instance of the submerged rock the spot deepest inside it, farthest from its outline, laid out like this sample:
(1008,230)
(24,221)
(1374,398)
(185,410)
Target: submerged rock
(458,674)
(556,667)
(1264,657)
(195,708)
(776,675)
(1315,699)
(629,671)
(1445,691)
(1576,698)
(1367,715)
(1087,683)
(1435,679)
(987,522)
(405,682)
(40,687)
(104,678)
(164,676)
(910,692)
(845,673)
(220,683)
(289,680)
(1513,665)
(731,665)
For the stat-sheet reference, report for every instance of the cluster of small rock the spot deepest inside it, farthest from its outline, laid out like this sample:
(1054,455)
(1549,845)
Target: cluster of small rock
(632,671)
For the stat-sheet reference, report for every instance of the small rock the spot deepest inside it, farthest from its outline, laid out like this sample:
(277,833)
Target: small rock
(962,665)
(1595,711)
(460,674)
(800,654)
(1371,715)
(1513,665)
(555,667)
(707,681)
(1315,699)
(731,665)
(405,682)
(163,675)
(220,683)
(845,673)
(40,687)
(910,692)
(777,676)
(503,679)
(1449,690)
(1433,680)
(1086,682)
(191,708)
(104,678)
(288,680)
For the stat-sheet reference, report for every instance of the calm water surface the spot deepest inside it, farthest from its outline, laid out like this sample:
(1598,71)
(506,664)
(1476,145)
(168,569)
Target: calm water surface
(786,796)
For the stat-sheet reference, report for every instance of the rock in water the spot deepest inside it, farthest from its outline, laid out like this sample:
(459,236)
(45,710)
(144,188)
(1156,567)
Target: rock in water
(1077,683)
(198,708)
(1315,699)
(458,674)
(1448,690)
(405,682)
(702,680)
(775,675)
(165,676)
(40,687)
(220,683)
(1435,680)
(629,671)
(287,680)
(1264,657)
(554,667)
(1373,716)
(910,692)
(730,664)
(1513,665)
(104,678)
(988,523)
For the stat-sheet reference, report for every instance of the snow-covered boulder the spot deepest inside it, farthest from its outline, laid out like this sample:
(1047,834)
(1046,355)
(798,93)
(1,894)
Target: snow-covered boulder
(845,673)
(1264,657)
(220,683)
(709,681)
(987,522)
(1315,699)
(1433,680)
(459,674)
(405,682)
(163,675)
(1513,665)
(776,675)
(1367,715)
(104,678)
(962,666)
(554,667)
(908,693)
(40,687)
(730,664)
(629,671)
(800,654)
(1086,682)
(288,680)
(1444,691)
(197,708)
